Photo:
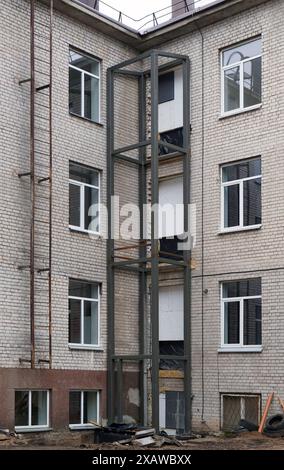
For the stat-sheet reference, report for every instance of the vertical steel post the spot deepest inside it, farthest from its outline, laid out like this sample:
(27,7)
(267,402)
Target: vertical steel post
(32,169)
(143,248)
(110,244)
(187,253)
(154,240)
(50,190)
(119,391)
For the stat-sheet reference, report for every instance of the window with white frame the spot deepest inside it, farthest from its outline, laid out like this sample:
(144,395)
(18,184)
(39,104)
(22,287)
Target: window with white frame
(241,314)
(31,409)
(83,408)
(84,198)
(84,314)
(84,86)
(241,195)
(241,76)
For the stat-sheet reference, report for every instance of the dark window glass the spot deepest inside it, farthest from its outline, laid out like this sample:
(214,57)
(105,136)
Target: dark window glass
(175,348)
(252,202)
(83,174)
(166,87)
(90,407)
(74,205)
(74,321)
(175,410)
(91,97)
(242,51)
(83,289)
(90,322)
(169,248)
(39,408)
(84,62)
(252,82)
(75,407)
(21,408)
(241,170)
(252,321)
(91,209)
(74,91)
(232,89)
(244,288)
(174,137)
(231,206)
(232,322)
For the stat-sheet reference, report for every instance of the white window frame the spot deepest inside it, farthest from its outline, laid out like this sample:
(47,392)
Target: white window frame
(83,425)
(236,347)
(239,64)
(83,73)
(82,186)
(242,397)
(82,345)
(239,182)
(30,426)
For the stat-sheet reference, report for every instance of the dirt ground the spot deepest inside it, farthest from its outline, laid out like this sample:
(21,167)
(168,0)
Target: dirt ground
(244,441)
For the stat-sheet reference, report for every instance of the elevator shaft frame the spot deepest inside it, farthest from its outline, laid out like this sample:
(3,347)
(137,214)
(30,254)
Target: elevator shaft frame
(140,265)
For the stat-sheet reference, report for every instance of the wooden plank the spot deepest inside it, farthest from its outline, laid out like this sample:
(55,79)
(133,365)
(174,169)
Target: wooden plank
(171,374)
(266,409)
(281,403)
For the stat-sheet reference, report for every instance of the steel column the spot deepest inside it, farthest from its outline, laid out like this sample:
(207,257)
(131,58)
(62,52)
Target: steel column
(187,253)
(155,240)
(110,244)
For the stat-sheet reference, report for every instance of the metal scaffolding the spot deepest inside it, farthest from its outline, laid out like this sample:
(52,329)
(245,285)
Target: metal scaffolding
(145,265)
(40,175)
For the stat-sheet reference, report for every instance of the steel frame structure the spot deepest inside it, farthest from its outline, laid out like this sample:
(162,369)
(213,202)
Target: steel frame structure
(147,266)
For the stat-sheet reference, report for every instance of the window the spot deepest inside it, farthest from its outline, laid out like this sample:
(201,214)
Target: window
(241,195)
(84,199)
(172,412)
(174,136)
(241,314)
(83,408)
(84,86)
(241,76)
(175,348)
(31,409)
(236,407)
(84,312)
(166,87)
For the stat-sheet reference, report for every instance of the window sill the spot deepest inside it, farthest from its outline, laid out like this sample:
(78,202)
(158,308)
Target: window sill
(24,429)
(240,111)
(85,347)
(86,119)
(81,427)
(240,229)
(240,349)
(72,228)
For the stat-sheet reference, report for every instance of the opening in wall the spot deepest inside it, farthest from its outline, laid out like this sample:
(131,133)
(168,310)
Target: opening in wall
(235,407)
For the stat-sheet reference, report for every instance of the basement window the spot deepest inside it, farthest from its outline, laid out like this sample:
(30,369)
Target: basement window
(235,407)
(241,77)
(241,195)
(84,199)
(166,87)
(31,410)
(84,86)
(84,314)
(241,315)
(83,408)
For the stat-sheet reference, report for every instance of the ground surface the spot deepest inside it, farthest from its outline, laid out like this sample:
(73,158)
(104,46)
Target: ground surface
(245,441)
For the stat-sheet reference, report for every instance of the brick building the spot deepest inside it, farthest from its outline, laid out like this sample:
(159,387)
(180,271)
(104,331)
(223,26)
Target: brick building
(54,364)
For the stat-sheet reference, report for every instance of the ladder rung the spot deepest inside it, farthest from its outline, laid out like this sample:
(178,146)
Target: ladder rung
(43,73)
(41,129)
(47,361)
(42,48)
(41,180)
(43,61)
(26,80)
(43,87)
(41,117)
(21,268)
(42,24)
(28,173)
(42,141)
(41,36)
(41,221)
(42,270)
(22,359)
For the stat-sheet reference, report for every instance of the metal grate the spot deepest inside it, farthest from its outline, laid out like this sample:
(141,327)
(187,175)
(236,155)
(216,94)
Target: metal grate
(237,407)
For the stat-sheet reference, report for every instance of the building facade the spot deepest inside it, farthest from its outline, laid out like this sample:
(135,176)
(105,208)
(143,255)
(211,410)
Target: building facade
(236,147)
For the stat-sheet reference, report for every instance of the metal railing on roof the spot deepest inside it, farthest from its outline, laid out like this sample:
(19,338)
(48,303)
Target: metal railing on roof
(150,20)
